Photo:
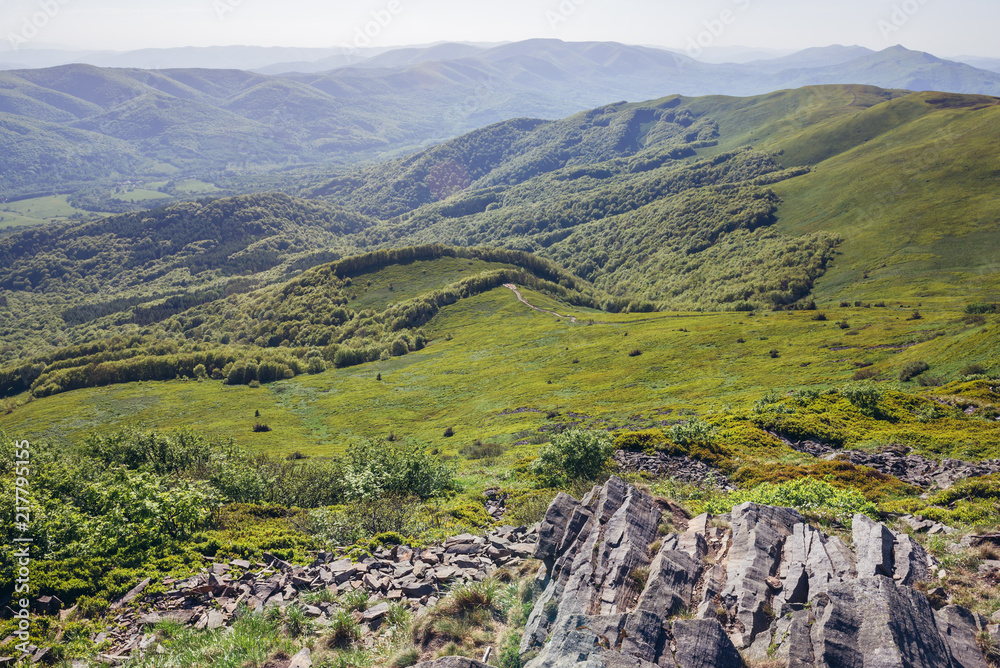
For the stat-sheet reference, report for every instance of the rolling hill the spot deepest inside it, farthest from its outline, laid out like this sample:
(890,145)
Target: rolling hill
(832,193)
(609,193)
(740,287)
(77,126)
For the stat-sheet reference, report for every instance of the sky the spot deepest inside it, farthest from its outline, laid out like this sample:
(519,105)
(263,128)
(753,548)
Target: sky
(943,27)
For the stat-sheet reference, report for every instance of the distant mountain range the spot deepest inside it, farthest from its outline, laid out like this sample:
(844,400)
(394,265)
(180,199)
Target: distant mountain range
(64,126)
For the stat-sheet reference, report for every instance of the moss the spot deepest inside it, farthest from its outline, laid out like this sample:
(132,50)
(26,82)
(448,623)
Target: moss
(875,486)
(471,513)
(974,502)
(648,441)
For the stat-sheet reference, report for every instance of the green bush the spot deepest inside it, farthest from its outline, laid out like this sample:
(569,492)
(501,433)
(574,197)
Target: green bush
(574,454)
(912,370)
(378,468)
(975,369)
(694,432)
(807,495)
(480,450)
(864,396)
(640,441)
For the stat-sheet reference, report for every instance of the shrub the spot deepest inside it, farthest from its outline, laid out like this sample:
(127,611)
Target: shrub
(982,309)
(573,454)
(640,441)
(912,370)
(365,519)
(771,403)
(376,468)
(872,484)
(807,495)
(915,316)
(863,396)
(974,369)
(694,431)
(635,352)
(865,373)
(843,324)
(527,508)
(845,305)
(819,317)
(480,450)
(774,353)
(449,432)
(260,428)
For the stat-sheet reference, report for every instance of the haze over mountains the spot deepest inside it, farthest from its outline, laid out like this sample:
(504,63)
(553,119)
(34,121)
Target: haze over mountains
(73,124)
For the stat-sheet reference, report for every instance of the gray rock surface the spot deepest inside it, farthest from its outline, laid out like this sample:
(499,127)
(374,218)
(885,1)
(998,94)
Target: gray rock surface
(703,643)
(767,587)
(212,599)
(451,662)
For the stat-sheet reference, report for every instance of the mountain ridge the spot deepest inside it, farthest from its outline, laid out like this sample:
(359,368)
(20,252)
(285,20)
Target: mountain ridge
(250,124)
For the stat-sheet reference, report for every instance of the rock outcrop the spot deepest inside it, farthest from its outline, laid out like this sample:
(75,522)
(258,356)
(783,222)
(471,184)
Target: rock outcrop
(616,589)
(910,468)
(680,469)
(393,574)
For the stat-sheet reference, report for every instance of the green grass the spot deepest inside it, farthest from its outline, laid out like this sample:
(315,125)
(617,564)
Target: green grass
(138,194)
(908,203)
(251,641)
(897,175)
(54,208)
(400,282)
(193,186)
(490,355)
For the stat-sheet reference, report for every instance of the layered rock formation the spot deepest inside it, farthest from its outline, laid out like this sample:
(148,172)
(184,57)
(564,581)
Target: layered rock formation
(212,599)
(618,588)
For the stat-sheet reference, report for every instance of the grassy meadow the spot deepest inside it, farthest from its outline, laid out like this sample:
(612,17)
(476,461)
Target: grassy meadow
(39,210)
(491,355)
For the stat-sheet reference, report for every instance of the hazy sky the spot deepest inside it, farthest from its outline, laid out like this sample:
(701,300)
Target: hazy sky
(946,28)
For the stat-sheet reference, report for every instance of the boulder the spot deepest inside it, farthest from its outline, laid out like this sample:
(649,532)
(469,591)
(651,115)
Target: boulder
(703,643)
(874,545)
(451,662)
(959,627)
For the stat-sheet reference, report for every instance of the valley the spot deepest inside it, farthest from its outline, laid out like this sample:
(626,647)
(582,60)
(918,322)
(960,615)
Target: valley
(297,359)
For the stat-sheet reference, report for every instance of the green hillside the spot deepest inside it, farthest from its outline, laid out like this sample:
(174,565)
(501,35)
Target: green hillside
(720,202)
(488,355)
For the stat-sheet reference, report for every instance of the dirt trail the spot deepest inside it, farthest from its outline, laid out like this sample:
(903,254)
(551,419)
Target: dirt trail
(513,288)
